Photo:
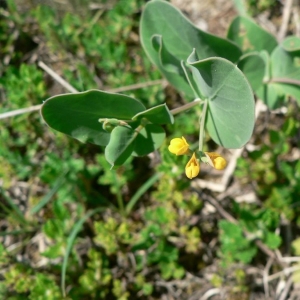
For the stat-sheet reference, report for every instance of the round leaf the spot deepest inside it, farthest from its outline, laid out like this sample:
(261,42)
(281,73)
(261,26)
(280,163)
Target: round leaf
(77,114)
(230,116)
(165,31)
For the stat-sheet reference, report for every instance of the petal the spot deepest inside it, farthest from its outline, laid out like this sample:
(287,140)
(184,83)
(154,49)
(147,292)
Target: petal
(172,149)
(216,160)
(176,141)
(184,140)
(192,168)
(178,146)
(182,150)
(220,163)
(188,172)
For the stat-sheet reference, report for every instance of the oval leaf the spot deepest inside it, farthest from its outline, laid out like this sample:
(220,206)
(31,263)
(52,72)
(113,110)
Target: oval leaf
(284,78)
(77,114)
(120,146)
(249,36)
(149,139)
(230,117)
(159,114)
(253,66)
(291,44)
(285,73)
(177,37)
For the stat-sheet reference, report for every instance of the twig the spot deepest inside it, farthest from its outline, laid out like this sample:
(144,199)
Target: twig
(218,207)
(71,89)
(57,78)
(285,19)
(285,272)
(285,80)
(289,260)
(265,277)
(210,293)
(296,21)
(267,251)
(231,219)
(137,86)
(286,289)
(186,106)
(21,111)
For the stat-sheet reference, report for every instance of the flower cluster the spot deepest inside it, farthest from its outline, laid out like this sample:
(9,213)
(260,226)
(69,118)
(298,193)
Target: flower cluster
(179,146)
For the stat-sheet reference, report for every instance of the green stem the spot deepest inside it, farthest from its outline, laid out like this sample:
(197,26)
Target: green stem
(284,80)
(118,194)
(141,191)
(202,124)
(185,106)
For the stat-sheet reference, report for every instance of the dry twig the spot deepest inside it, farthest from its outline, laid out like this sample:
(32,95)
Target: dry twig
(231,219)
(71,89)
(285,19)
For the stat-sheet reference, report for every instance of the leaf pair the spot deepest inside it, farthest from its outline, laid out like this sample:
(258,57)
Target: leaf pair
(186,56)
(271,68)
(78,115)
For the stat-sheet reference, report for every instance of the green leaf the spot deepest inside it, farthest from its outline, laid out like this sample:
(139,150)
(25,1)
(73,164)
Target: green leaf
(54,251)
(230,117)
(120,146)
(240,6)
(77,114)
(169,62)
(15,208)
(249,36)
(169,65)
(271,94)
(70,241)
(48,197)
(291,44)
(149,139)
(272,240)
(246,255)
(168,37)
(285,64)
(140,192)
(284,78)
(253,66)
(159,114)
(296,246)
(44,287)
(234,245)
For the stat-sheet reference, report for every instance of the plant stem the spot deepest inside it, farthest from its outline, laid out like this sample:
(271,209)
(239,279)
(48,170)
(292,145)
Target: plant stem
(118,194)
(284,80)
(185,106)
(202,123)
(141,191)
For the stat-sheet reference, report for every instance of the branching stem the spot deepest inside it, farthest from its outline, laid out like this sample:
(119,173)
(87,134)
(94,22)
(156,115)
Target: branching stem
(202,124)
(185,107)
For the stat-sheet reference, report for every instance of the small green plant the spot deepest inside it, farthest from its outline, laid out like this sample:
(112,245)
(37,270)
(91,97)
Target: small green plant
(216,72)
(125,127)
(114,226)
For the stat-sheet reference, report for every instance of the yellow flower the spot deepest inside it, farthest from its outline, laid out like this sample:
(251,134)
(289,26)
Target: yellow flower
(216,160)
(179,146)
(192,168)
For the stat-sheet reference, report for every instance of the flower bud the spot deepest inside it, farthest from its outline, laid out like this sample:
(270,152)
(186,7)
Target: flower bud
(179,146)
(216,160)
(192,168)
